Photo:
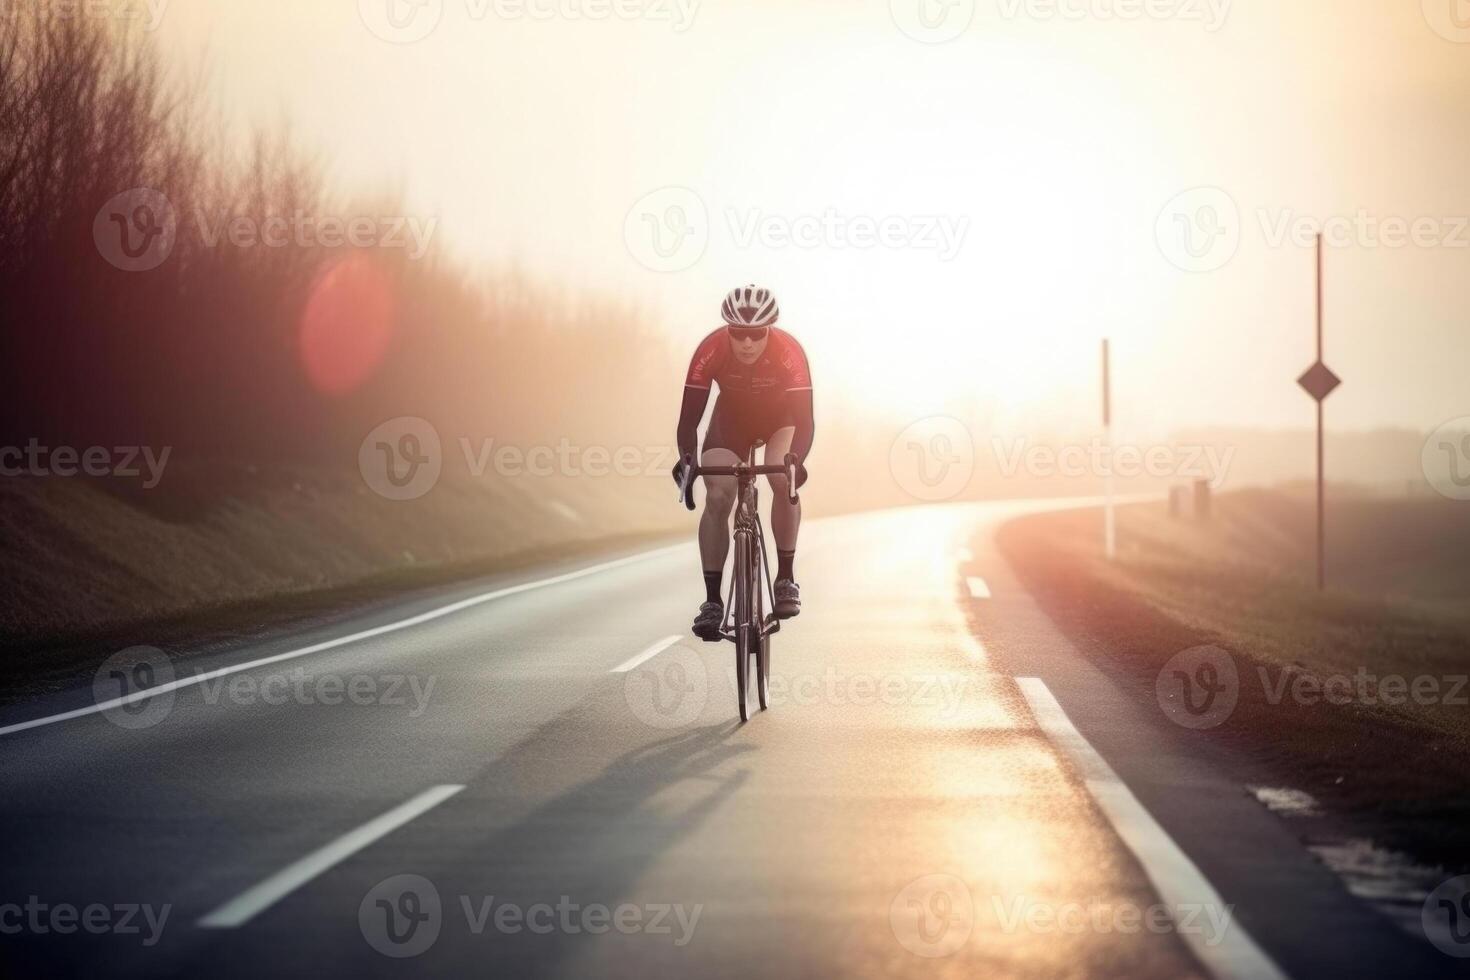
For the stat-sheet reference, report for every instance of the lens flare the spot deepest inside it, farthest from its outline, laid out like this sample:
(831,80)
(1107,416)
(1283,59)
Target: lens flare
(347,324)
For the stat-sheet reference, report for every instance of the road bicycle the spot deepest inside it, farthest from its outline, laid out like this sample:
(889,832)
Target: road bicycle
(747,624)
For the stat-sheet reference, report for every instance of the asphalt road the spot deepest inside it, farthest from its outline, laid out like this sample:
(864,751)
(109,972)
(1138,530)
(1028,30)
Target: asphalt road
(485,792)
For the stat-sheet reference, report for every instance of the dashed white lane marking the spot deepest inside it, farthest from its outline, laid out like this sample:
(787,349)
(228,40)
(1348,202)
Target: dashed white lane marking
(978,588)
(963,555)
(442,611)
(1174,876)
(646,655)
(248,904)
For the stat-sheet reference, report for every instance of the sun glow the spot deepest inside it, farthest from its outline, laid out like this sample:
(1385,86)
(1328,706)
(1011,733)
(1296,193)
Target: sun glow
(1042,150)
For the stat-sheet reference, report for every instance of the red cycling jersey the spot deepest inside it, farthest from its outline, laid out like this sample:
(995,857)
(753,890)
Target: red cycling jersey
(781,368)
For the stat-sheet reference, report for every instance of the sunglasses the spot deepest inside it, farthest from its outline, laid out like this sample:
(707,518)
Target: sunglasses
(748,333)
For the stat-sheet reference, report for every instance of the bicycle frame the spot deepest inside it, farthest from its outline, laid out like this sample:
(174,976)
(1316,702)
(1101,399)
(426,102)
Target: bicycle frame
(747,624)
(750,534)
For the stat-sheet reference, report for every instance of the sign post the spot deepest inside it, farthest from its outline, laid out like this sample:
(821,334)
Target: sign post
(1110,537)
(1319,382)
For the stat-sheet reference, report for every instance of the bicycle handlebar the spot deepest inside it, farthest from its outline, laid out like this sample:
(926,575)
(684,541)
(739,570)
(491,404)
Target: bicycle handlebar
(787,469)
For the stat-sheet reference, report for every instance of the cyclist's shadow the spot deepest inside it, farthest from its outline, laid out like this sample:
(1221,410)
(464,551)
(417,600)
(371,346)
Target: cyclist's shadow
(593,841)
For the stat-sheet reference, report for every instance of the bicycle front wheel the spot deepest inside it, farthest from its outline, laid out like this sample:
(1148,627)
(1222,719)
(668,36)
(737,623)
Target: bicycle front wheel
(763,639)
(763,671)
(745,637)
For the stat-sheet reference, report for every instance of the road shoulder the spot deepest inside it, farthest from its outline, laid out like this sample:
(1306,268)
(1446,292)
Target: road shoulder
(1294,906)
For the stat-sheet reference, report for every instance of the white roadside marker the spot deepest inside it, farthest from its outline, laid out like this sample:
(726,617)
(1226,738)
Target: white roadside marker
(250,903)
(1174,876)
(646,655)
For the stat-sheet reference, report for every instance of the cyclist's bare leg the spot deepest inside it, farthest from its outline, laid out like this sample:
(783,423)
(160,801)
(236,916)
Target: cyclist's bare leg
(785,516)
(719,503)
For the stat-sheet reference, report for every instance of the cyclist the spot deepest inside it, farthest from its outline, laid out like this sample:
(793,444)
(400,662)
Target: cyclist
(765,394)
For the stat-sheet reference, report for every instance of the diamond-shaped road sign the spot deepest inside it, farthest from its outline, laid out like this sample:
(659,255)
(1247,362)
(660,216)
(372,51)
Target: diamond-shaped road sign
(1319,381)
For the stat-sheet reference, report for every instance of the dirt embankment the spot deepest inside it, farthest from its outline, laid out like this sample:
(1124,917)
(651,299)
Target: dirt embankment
(89,558)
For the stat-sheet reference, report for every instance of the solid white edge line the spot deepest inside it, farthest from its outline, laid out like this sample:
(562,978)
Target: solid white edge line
(432,614)
(978,588)
(1173,874)
(646,655)
(255,900)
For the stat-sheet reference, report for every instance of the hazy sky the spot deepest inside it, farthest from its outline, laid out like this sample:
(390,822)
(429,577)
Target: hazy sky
(942,221)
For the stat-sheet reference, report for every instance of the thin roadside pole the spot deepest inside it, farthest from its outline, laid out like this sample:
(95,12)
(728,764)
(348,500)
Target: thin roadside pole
(1110,530)
(1321,443)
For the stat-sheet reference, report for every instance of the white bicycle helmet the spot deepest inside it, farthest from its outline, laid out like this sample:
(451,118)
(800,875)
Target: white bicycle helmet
(751,306)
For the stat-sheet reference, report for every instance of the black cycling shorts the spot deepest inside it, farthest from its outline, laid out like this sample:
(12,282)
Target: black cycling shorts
(737,430)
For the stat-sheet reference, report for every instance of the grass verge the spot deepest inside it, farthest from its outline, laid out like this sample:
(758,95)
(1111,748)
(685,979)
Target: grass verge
(1316,707)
